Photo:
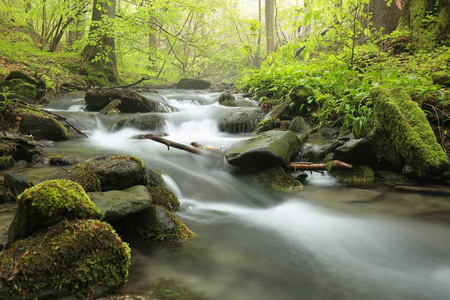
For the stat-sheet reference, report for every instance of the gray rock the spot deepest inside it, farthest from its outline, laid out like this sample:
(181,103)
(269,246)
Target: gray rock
(270,148)
(16,183)
(227,99)
(357,152)
(111,105)
(147,121)
(118,204)
(241,120)
(299,125)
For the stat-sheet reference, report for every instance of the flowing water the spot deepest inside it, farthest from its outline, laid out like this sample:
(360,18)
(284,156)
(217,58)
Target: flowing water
(255,244)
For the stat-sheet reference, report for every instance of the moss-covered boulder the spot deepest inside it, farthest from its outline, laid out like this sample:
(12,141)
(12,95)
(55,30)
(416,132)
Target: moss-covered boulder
(147,121)
(131,102)
(408,129)
(112,108)
(26,86)
(227,99)
(40,124)
(267,149)
(119,204)
(107,173)
(241,120)
(155,226)
(193,84)
(164,197)
(276,179)
(441,78)
(80,259)
(358,175)
(48,203)
(16,147)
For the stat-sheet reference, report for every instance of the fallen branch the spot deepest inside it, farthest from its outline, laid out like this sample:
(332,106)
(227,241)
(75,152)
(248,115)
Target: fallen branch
(170,143)
(336,164)
(129,85)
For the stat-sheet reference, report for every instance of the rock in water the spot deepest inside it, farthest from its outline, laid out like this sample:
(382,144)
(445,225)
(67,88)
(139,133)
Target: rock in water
(409,131)
(80,259)
(267,149)
(241,120)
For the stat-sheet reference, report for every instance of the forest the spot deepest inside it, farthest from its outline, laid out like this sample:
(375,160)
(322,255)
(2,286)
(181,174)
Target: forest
(213,149)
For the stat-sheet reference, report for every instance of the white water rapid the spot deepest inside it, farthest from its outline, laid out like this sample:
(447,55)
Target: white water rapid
(253,244)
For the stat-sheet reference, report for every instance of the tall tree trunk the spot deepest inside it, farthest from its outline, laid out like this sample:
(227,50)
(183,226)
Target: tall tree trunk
(256,57)
(101,49)
(384,15)
(270,26)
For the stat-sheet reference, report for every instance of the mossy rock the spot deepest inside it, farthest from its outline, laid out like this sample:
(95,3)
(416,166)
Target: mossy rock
(155,226)
(357,175)
(441,78)
(266,125)
(15,147)
(77,258)
(48,203)
(408,129)
(164,197)
(267,149)
(107,173)
(276,179)
(227,99)
(42,126)
(193,84)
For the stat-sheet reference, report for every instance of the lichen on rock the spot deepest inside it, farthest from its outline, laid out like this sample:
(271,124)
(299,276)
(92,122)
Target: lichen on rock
(164,197)
(48,203)
(82,258)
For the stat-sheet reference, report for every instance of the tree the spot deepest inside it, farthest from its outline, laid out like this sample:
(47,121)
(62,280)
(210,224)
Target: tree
(101,48)
(270,26)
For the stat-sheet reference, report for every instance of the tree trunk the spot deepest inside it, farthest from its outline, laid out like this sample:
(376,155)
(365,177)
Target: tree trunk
(270,26)
(414,12)
(383,15)
(101,48)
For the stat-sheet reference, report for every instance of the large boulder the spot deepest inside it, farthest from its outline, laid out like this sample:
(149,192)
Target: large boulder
(26,86)
(48,203)
(270,148)
(75,259)
(146,121)
(408,129)
(131,102)
(107,173)
(118,204)
(193,84)
(299,125)
(154,226)
(15,184)
(240,120)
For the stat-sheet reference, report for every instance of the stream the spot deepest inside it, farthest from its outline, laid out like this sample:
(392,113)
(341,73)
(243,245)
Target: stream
(257,244)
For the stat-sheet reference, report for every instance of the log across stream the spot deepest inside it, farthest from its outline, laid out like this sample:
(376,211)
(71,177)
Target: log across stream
(327,242)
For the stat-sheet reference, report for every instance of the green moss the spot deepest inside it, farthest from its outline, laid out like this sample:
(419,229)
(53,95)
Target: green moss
(329,165)
(441,78)
(129,158)
(48,203)
(84,175)
(164,197)
(6,161)
(276,179)
(355,175)
(83,258)
(409,130)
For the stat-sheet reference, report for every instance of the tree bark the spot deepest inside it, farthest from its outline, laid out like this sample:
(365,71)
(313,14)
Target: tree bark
(383,15)
(194,150)
(270,26)
(101,49)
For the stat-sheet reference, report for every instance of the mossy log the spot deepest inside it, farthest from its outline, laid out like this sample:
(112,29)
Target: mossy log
(409,131)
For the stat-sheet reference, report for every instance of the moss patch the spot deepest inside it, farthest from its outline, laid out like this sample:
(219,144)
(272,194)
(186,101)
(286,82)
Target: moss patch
(355,176)
(164,197)
(81,257)
(48,203)
(409,130)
